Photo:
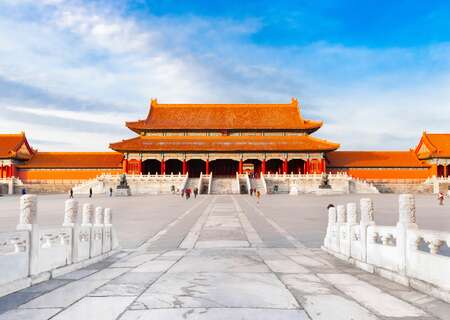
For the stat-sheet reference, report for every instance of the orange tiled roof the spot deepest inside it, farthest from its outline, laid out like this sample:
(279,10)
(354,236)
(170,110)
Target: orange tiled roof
(437,145)
(74,160)
(224,143)
(10,145)
(224,116)
(374,159)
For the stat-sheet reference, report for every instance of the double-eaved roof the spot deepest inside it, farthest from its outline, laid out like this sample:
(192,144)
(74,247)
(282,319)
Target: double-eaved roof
(15,146)
(224,117)
(224,143)
(434,145)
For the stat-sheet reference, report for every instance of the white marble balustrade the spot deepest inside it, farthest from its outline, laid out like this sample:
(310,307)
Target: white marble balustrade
(34,253)
(403,253)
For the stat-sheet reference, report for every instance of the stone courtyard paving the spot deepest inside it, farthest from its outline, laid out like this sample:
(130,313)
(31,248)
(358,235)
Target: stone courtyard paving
(222,257)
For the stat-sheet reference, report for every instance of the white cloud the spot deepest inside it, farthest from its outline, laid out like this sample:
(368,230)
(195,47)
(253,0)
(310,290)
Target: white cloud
(75,52)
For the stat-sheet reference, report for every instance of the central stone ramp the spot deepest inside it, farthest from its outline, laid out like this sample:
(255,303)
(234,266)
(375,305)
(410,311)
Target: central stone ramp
(224,185)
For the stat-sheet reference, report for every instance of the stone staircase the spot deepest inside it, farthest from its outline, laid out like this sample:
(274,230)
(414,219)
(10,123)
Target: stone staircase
(258,184)
(226,185)
(192,183)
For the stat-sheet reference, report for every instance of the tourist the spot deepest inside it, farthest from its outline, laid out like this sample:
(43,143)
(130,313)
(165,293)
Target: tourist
(24,191)
(90,192)
(188,193)
(441,198)
(258,196)
(71,193)
(330,206)
(182,193)
(110,191)
(251,191)
(195,192)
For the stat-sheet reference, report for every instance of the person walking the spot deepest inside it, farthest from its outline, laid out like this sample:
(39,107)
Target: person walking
(195,192)
(71,193)
(251,192)
(441,198)
(188,193)
(182,193)
(258,196)
(110,192)
(90,192)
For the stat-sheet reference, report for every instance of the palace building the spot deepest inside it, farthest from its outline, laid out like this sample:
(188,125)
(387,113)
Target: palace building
(223,140)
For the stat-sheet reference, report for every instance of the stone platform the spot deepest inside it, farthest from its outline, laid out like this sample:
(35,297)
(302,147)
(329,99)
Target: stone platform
(223,258)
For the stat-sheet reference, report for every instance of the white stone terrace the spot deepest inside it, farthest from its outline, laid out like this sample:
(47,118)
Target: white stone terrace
(224,257)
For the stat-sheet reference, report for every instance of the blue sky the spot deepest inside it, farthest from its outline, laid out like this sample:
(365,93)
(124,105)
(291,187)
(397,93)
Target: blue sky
(376,72)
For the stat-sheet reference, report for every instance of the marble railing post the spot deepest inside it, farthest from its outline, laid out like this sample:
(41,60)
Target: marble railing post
(70,221)
(341,216)
(108,234)
(330,227)
(88,215)
(351,221)
(99,217)
(28,222)
(367,219)
(406,221)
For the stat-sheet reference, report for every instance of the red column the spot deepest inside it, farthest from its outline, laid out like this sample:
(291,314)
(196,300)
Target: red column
(285,166)
(308,166)
(13,170)
(1,171)
(304,167)
(263,166)
(163,166)
(207,166)
(324,166)
(140,166)
(445,171)
(241,166)
(184,167)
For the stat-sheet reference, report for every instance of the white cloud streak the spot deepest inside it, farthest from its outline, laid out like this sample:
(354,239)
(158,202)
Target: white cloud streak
(81,62)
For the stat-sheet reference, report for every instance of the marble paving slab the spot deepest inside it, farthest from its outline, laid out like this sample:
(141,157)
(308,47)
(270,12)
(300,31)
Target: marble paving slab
(215,314)
(220,263)
(334,307)
(233,290)
(29,314)
(101,308)
(222,244)
(372,297)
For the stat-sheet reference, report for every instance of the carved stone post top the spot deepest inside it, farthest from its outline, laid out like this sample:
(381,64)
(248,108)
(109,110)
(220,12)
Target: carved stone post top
(351,212)
(341,213)
(332,215)
(367,210)
(28,212)
(70,213)
(107,216)
(99,216)
(406,209)
(88,214)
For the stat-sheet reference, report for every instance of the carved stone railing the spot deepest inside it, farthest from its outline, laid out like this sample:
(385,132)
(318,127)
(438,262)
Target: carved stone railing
(403,253)
(33,253)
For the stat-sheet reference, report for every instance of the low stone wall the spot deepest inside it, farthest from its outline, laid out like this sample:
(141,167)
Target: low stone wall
(139,184)
(32,253)
(402,253)
(309,183)
(403,186)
